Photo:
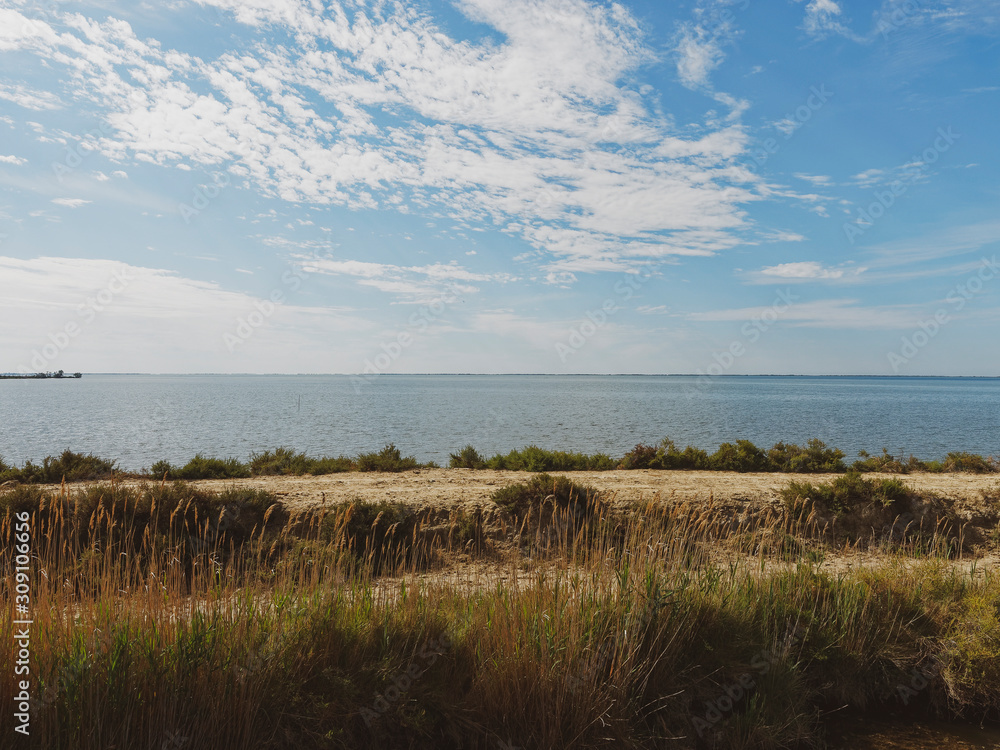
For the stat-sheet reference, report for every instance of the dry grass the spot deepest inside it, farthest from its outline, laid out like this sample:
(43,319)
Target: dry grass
(170,617)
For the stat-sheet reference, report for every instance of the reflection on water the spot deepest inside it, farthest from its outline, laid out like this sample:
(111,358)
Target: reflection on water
(866,734)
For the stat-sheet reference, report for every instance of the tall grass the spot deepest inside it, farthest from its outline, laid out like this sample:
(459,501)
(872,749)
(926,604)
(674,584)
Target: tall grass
(167,616)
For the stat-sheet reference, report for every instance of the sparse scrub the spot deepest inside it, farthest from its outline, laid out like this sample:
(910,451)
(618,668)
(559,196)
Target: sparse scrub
(559,492)
(850,491)
(665,456)
(744,457)
(815,458)
(533,458)
(201,467)
(73,467)
(388,459)
(467,458)
(284,461)
(970,462)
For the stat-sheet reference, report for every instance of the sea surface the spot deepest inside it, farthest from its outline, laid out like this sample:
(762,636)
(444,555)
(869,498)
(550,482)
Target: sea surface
(140,419)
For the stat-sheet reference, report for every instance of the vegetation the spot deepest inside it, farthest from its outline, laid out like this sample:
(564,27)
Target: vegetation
(70,466)
(558,493)
(170,616)
(467,458)
(742,456)
(388,459)
(846,493)
(287,461)
(201,467)
(533,458)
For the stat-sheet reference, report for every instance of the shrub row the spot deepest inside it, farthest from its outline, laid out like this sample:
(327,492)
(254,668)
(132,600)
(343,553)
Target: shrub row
(75,467)
(742,456)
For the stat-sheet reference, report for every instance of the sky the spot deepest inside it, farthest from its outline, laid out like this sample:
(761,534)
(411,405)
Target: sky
(721,187)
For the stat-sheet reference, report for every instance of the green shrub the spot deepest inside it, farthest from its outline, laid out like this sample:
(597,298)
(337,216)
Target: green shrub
(664,456)
(520,499)
(73,467)
(848,492)
(388,459)
(201,467)
(284,461)
(467,458)
(377,533)
(20,499)
(815,458)
(161,470)
(642,457)
(330,465)
(535,459)
(744,457)
(969,462)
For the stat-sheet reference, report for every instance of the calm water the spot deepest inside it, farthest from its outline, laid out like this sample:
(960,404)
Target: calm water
(139,419)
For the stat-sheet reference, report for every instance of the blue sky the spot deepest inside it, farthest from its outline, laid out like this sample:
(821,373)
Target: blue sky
(795,186)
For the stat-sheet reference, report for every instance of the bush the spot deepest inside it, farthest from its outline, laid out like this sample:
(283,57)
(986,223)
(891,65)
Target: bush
(848,492)
(969,462)
(744,456)
(815,458)
(284,461)
(377,533)
(388,459)
(73,467)
(520,499)
(467,458)
(201,467)
(664,456)
(161,470)
(642,457)
(533,458)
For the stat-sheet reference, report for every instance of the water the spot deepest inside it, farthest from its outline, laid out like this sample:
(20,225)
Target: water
(139,419)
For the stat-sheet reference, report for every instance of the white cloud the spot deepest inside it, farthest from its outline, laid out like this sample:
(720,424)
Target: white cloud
(414,284)
(823,17)
(28,98)
(16,160)
(70,202)
(820,180)
(808,271)
(538,132)
(698,55)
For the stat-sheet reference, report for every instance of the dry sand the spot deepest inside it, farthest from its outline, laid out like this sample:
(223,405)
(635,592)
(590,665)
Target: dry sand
(446,489)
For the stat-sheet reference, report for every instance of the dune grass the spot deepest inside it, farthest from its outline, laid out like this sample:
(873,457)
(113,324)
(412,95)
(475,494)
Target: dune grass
(168,616)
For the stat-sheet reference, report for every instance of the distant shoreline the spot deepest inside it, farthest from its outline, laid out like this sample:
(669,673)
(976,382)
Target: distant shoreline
(527,375)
